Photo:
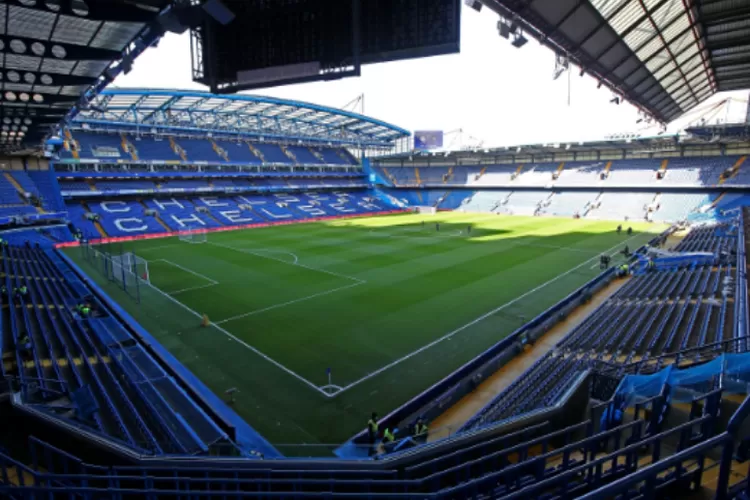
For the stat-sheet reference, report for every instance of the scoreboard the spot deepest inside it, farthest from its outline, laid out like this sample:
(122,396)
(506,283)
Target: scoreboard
(276,42)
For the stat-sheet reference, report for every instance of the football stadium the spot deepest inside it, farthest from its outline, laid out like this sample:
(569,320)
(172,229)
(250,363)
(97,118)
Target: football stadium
(218,294)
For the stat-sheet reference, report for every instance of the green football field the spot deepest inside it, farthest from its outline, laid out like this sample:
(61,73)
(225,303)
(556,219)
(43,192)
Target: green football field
(389,304)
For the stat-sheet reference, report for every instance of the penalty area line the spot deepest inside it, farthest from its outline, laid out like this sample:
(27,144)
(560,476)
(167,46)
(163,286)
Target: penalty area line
(190,289)
(248,346)
(288,303)
(194,273)
(253,251)
(469,324)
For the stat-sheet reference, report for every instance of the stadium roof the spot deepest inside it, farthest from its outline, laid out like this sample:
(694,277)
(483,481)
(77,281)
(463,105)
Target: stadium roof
(665,56)
(696,139)
(53,51)
(186,111)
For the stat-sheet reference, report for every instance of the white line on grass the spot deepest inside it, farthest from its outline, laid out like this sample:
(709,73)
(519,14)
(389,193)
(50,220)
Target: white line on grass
(283,252)
(253,252)
(242,342)
(467,325)
(190,289)
(284,304)
(194,273)
(567,249)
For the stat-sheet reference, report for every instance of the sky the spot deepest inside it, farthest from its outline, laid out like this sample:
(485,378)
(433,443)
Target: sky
(491,91)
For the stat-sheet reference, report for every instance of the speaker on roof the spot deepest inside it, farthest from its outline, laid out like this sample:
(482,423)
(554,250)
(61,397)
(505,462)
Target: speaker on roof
(474,4)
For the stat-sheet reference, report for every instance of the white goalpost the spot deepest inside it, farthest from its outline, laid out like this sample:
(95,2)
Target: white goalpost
(420,209)
(128,268)
(195,236)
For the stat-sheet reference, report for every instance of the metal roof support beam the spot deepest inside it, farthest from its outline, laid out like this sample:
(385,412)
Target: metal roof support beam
(644,44)
(667,74)
(625,33)
(141,12)
(700,41)
(71,51)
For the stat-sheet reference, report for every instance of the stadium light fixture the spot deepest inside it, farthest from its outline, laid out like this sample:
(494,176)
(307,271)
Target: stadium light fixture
(615,100)
(519,40)
(474,4)
(503,29)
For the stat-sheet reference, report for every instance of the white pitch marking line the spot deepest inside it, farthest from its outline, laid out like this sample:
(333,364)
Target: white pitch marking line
(567,249)
(252,252)
(469,324)
(284,304)
(283,252)
(190,289)
(242,342)
(194,273)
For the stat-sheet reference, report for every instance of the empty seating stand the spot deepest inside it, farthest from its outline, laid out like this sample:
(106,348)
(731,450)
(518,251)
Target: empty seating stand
(648,322)
(535,461)
(89,371)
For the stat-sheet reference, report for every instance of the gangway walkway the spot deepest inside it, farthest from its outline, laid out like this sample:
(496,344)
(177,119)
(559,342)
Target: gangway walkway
(458,414)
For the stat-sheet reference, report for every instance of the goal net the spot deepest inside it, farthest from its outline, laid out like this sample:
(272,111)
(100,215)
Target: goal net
(424,210)
(128,268)
(194,236)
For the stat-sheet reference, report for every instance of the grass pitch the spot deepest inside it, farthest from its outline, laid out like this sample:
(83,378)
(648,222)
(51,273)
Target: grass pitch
(389,304)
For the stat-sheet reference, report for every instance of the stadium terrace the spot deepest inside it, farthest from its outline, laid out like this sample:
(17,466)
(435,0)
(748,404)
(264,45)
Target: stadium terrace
(247,297)
(196,292)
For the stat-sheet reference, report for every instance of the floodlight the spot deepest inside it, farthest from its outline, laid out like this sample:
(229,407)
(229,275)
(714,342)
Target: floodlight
(519,41)
(503,29)
(474,4)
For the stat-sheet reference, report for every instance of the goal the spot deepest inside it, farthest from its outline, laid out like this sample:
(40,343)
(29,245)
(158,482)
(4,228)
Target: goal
(194,236)
(128,269)
(424,210)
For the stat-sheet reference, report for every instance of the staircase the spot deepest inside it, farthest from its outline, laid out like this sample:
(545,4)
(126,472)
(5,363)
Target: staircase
(97,225)
(156,216)
(289,154)
(654,205)
(389,176)
(481,173)
(317,155)
(14,182)
(717,200)
(559,170)
(129,147)
(441,199)
(593,205)
(71,144)
(219,150)
(256,152)
(725,176)
(343,156)
(416,175)
(448,176)
(663,169)
(178,150)
(517,172)
(607,168)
